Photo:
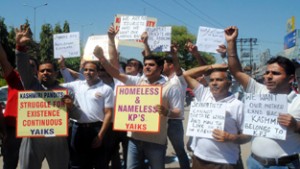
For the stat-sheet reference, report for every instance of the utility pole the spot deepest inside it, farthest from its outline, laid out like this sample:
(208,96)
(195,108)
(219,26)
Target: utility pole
(247,44)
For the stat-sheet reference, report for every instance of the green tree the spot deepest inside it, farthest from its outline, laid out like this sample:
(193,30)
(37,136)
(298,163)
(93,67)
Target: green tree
(66,28)
(8,46)
(46,43)
(57,29)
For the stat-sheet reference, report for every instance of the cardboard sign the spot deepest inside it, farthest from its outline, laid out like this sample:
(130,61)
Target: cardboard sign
(135,108)
(92,42)
(41,114)
(151,22)
(204,118)
(132,27)
(261,113)
(209,39)
(66,45)
(159,39)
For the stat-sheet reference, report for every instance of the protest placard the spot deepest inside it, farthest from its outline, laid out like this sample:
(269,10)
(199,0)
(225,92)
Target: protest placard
(92,42)
(204,118)
(261,113)
(41,114)
(135,108)
(159,38)
(151,22)
(66,45)
(209,39)
(132,27)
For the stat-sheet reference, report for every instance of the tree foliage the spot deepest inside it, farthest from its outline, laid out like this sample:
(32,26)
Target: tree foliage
(46,43)
(7,45)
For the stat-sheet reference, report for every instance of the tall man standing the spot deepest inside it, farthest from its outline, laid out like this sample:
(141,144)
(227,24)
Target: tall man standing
(149,145)
(222,152)
(267,152)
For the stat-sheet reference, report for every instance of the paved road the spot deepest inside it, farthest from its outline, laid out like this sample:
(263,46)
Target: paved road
(171,161)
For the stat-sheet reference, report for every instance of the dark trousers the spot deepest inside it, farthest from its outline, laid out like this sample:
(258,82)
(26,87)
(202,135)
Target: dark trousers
(83,155)
(202,164)
(10,149)
(117,138)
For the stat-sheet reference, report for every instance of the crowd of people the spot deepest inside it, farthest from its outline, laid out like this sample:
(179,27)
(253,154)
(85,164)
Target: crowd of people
(92,142)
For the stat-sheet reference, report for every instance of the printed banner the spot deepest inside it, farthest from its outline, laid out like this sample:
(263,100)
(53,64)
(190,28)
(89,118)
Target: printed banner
(261,113)
(135,108)
(41,114)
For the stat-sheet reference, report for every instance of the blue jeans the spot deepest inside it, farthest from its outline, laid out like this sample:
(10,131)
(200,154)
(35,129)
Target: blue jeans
(139,150)
(253,164)
(83,155)
(175,134)
(10,148)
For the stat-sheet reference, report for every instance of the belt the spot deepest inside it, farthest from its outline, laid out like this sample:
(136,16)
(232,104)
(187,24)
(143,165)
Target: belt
(93,124)
(282,161)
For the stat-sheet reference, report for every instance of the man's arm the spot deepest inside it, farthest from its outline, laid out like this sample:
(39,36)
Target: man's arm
(223,136)
(146,52)
(25,70)
(106,123)
(191,74)
(113,72)
(5,65)
(195,53)
(174,53)
(231,34)
(112,50)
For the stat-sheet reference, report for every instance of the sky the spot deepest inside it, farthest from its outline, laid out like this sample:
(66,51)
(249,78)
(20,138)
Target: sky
(262,19)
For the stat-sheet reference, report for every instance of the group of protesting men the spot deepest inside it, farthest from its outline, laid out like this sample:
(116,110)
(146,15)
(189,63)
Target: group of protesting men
(92,142)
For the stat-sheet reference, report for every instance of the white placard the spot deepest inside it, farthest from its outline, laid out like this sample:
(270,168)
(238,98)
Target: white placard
(66,45)
(204,118)
(132,27)
(159,38)
(92,42)
(261,113)
(209,39)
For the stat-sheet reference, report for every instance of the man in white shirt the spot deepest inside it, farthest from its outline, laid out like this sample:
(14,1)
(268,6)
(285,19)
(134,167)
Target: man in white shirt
(267,152)
(222,151)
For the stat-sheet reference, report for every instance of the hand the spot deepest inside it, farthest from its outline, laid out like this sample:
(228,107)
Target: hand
(67,99)
(231,33)
(23,35)
(61,62)
(174,49)
(287,120)
(162,110)
(191,48)
(96,142)
(112,32)
(98,52)
(144,37)
(222,50)
(221,136)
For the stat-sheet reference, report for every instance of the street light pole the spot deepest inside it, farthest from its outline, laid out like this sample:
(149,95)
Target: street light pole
(34,15)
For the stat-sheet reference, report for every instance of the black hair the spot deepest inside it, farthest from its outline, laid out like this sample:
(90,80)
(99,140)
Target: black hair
(285,63)
(95,63)
(158,60)
(48,62)
(168,59)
